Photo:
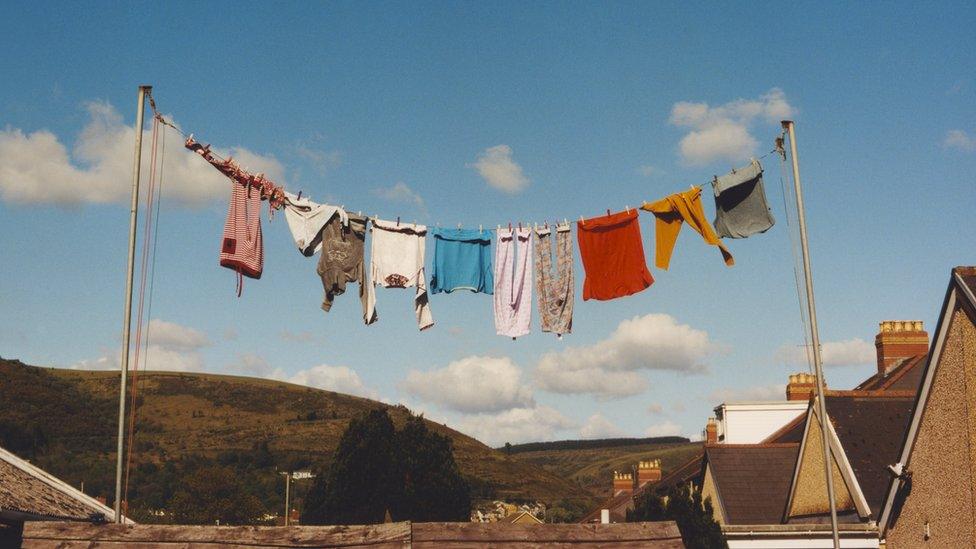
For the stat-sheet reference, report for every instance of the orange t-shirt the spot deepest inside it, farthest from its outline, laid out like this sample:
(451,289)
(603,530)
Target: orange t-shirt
(613,256)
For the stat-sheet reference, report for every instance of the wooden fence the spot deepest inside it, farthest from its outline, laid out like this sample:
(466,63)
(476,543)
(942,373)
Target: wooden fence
(448,535)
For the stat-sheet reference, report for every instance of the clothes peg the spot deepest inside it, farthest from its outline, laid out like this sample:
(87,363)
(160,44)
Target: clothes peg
(459,226)
(498,227)
(520,228)
(480,229)
(581,221)
(509,225)
(628,208)
(608,212)
(566,221)
(299,195)
(398,221)
(359,213)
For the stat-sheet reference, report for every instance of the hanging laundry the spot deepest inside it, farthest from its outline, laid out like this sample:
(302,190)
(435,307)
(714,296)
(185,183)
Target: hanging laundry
(613,256)
(242,248)
(341,260)
(306,219)
(462,261)
(554,291)
(671,212)
(740,203)
(513,282)
(397,261)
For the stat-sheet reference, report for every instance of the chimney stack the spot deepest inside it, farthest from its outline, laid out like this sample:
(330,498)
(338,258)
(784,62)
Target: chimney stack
(648,472)
(801,386)
(898,340)
(711,431)
(622,482)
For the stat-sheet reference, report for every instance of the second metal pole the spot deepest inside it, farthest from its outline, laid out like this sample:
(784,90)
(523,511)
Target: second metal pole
(814,333)
(130,271)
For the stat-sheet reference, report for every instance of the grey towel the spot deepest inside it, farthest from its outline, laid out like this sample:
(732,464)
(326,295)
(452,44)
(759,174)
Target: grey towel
(740,203)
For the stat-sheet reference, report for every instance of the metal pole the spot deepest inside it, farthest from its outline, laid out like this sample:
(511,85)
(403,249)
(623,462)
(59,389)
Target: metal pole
(814,332)
(133,214)
(287,494)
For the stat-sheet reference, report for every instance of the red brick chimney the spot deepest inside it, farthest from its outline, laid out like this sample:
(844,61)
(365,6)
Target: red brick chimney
(622,482)
(711,431)
(898,340)
(648,472)
(801,386)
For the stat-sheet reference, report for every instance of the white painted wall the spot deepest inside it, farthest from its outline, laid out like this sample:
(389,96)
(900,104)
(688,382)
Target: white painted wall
(751,422)
(804,542)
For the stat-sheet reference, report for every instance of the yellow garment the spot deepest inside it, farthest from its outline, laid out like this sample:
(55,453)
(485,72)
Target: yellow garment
(671,212)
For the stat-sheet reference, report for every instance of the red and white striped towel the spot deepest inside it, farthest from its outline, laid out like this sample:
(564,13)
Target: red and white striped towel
(242,249)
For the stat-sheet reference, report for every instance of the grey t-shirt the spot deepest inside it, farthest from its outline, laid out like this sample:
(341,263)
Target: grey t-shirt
(341,260)
(740,203)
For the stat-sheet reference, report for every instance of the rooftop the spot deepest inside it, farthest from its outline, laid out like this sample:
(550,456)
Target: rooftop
(753,480)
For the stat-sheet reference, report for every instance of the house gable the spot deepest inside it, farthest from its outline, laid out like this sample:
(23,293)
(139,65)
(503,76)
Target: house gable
(808,494)
(936,505)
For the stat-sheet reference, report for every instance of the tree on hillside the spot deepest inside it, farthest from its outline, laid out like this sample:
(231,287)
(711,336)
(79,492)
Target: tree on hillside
(685,506)
(212,493)
(361,484)
(433,489)
(410,473)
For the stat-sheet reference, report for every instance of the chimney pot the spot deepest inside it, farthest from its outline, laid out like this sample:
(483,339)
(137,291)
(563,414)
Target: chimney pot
(801,386)
(898,340)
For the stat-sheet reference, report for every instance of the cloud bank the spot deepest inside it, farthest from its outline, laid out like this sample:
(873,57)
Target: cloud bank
(474,384)
(723,132)
(610,368)
(38,168)
(500,171)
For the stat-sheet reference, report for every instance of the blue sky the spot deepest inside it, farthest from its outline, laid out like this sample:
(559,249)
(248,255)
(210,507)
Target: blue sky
(568,109)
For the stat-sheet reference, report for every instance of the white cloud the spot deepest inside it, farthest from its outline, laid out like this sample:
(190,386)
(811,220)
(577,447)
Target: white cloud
(37,167)
(722,132)
(648,170)
(598,426)
(666,429)
(609,368)
(253,365)
(474,384)
(959,140)
(401,192)
(339,379)
(303,336)
(496,166)
(761,392)
(517,425)
(849,352)
(322,160)
(172,347)
(175,336)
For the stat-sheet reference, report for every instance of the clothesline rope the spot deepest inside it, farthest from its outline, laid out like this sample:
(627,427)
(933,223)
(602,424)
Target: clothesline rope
(280,199)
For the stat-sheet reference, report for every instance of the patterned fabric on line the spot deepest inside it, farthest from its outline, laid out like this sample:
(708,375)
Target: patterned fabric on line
(613,256)
(554,291)
(513,282)
(242,248)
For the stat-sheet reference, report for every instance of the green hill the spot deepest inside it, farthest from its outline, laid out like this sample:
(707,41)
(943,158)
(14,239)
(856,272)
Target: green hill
(591,465)
(65,421)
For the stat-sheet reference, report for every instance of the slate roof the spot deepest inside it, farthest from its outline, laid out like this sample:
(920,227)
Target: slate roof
(689,471)
(618,506)
(905,376)
(753,480)
(29,493)
(871,428)
(791,432)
